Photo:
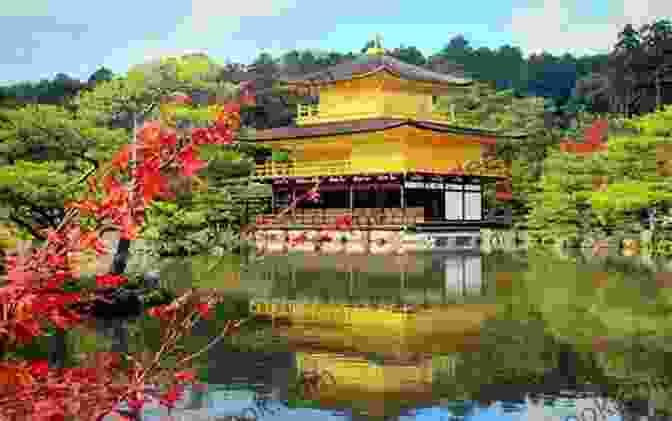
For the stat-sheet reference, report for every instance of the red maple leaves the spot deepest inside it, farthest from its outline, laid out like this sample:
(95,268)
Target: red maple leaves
(189,163)
(33,298)
(110,281)
(594,139)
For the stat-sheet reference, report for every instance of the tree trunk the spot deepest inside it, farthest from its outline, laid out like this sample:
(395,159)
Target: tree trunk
(658,91)
(57,349)
(120,259)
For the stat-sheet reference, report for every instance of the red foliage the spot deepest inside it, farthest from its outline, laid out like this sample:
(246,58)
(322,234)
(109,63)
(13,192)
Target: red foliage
(163,312)
(172,395)
(39,368)
(504,195)
(313,196)
(503,190)
(110,281)
(190,164)
(33,297)
(185,376)
(596,133)
(595,137)
(203,309)
(343,221)
(260,220)
(582,148)
(181,99)
(296,239)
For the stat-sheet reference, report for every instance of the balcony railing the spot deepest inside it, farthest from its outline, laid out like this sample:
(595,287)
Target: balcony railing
(315,113)
(269,169)
(303,169)
(369,217)
(358,217)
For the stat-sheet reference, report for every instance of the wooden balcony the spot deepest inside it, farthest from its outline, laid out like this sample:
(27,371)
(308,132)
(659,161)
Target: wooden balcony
(302,169)
(361,217)
(307,114)
(369,218)
(315,113)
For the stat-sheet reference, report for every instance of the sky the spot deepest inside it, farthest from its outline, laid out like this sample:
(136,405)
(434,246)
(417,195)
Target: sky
(228,402)
(43,37)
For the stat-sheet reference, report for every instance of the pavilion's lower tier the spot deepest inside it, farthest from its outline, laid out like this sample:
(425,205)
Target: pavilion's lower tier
(384,201)
(391,213)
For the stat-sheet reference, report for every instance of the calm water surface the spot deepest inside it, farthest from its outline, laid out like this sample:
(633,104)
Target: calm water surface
(441,336)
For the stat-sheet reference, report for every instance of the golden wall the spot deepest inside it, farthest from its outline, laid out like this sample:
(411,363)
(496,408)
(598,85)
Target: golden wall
(358,372)
(431,150)
(379,95)
(378,153)
(335,150)
(358,98)
(404,99)
(394,150)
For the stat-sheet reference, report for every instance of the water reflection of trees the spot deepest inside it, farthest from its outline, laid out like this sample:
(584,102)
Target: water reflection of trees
(520,358)
(428,279)
(543,343)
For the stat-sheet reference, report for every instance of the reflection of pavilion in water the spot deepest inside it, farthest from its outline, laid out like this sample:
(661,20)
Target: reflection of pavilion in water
(377,323)
(381,304)
(413,280)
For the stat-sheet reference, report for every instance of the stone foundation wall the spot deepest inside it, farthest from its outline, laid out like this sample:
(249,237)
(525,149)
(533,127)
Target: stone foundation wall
(332,242)
(349,242)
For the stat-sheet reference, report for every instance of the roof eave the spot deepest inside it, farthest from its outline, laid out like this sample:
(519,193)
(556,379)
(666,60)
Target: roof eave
(487,137)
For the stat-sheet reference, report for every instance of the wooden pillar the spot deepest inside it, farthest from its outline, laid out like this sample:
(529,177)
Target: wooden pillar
(323,206)
(292,201)
(379,203)
(403,199)
(272,200)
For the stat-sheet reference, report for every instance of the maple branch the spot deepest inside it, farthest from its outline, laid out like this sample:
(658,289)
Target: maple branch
(214,341)
(85,176)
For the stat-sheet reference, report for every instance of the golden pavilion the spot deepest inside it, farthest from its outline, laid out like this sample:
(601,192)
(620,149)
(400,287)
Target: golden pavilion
(381,155)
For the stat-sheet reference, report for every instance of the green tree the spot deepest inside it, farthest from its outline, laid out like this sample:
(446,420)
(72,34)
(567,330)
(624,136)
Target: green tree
(103,74)
(48,150)
(291,62)
(410,55)
(657,44)
(608,187)
(46,154)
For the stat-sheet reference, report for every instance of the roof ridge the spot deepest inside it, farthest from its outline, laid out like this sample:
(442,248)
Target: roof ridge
(364,65)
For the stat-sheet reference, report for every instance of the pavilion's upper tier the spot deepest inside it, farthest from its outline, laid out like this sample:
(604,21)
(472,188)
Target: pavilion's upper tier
(373,62)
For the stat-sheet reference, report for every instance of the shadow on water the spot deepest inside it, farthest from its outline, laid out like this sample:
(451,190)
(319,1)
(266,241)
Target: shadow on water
(440,336)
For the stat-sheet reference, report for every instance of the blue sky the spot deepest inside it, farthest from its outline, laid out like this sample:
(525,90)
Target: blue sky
(43,37)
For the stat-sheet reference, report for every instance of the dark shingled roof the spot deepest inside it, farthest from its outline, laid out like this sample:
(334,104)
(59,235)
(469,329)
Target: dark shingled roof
(367,63)
(366,125)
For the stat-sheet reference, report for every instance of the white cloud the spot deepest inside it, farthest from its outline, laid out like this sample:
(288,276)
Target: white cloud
(560,25)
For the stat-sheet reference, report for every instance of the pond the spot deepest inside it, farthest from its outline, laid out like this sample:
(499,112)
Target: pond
(427,336)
